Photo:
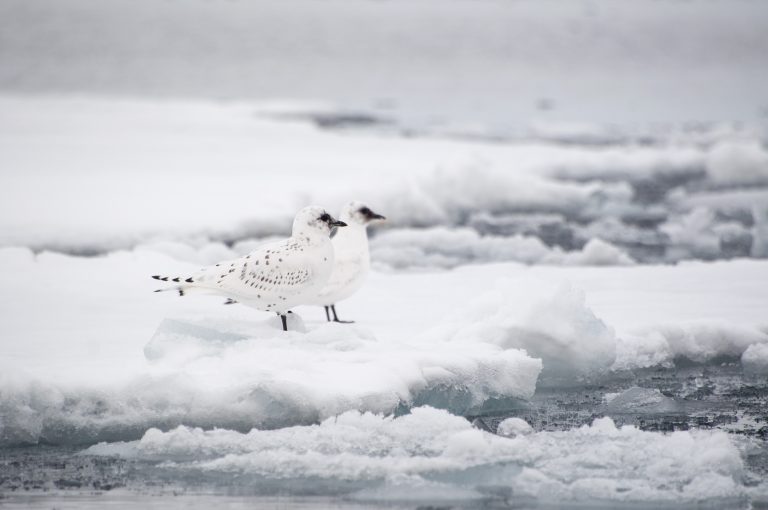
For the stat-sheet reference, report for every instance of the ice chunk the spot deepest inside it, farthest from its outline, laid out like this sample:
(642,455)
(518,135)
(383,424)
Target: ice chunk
(20,422)
(429,447)
(512,427)
(692,235)
(738,162)
(698,341)
(595,253)
(755,359)
(641,401)
(554,324)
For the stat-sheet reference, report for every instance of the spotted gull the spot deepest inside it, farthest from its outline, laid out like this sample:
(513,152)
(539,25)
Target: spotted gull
(277,276)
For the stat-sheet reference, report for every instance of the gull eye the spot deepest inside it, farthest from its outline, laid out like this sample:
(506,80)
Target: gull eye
(325,217)
(366,212)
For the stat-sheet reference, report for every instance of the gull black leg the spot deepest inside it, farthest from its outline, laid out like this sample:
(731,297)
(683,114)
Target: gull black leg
(284,319)
(327,315)
(336,317)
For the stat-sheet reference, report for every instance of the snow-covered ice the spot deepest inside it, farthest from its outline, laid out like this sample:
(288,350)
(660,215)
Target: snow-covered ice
(70,375)
(234,368)
(252,375)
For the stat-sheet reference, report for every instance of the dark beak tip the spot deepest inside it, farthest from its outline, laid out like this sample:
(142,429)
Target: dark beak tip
(338,223)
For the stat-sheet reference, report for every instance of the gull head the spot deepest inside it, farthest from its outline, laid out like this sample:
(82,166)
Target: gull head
(313,222)
(357,213)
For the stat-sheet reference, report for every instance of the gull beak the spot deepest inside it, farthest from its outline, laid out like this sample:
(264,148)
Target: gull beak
(337,223)
(370,215)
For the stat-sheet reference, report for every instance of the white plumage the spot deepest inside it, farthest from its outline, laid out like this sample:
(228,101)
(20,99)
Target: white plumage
(277,276)
(351,257)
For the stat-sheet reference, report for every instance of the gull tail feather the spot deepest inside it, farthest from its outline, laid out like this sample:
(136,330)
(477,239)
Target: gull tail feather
(186,284)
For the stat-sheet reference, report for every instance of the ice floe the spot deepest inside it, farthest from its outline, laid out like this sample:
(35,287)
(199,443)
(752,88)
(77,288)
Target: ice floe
(106,363)
(254,375)
(592,463)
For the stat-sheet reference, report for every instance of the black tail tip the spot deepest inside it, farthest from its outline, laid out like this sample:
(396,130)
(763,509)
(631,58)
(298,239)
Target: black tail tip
(158,290)
(188,280)
(156,276)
